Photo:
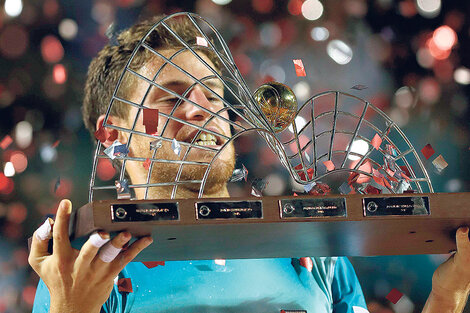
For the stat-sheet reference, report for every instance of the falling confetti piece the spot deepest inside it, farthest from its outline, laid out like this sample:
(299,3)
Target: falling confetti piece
(219,262)
(299,67)
(427,151)
(150,122)
(176,147)
(440,163)
(309,186)
(156,144)
(57,184)
(55,144)
(6,142)
(124,285)
(257,187)
(153,264)
(405,170)
(239,174)
(329,165)
(301,172)
(147,164)
(200,41)
(394,296)
(122,189)
(376,141)
(307,263)
(371,190)
(359,87)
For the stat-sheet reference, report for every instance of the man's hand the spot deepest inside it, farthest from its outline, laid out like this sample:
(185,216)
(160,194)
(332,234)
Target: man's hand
(80,280)
(451,280)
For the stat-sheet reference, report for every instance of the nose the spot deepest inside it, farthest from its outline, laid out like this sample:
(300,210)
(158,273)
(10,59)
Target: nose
(194,112)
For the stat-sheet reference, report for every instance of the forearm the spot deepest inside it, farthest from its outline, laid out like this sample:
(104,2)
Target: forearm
(437,303)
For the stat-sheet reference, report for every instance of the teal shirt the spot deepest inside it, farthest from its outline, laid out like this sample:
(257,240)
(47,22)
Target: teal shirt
(319,284)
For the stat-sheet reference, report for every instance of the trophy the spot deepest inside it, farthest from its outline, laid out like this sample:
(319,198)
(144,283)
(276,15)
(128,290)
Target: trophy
(367,192)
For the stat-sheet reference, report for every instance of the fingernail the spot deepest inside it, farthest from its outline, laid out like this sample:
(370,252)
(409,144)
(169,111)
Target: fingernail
(97,240)
(465,229)
(66,204)
(149,240)
(44,231)
(126,235)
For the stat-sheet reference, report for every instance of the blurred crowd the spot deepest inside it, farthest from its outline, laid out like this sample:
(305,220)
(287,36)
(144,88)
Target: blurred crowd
(411,58)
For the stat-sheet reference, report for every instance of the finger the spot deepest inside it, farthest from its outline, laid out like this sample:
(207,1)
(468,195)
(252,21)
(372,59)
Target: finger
(127,256)
(463,244)
(90,248)
(61,243)
(112,248)
(40,242)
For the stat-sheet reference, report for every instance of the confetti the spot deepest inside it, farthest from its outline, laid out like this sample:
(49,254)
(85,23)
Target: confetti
(344,189)
(320,189)
(309,186)
(376,141)
(146,164)
(116,149)
(439,163)
(200,41)
(427,151)
(219,262)
(6,142)
(154,145)
(403,186)
(394,296)
(329,165)
(405,170)
(359,87)
(124,285)
(57,184)
(122,189)
(55,144)
(301,172)
(372,190)
(257,187)
(176,147)
(153,264)
(121,151)
(239,174)
(299,67)
(150,121)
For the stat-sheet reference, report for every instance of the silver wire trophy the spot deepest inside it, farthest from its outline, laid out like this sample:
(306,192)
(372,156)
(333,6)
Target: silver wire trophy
(366,190)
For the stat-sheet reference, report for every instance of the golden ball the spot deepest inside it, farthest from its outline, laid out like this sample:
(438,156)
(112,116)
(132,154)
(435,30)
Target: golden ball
(278,103)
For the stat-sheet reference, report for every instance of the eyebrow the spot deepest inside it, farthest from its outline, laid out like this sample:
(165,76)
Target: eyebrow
(176,84)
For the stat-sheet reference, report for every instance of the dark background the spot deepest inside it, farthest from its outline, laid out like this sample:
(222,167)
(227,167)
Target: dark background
(46,49)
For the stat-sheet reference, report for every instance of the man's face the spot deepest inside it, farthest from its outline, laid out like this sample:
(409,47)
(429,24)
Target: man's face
(172,78)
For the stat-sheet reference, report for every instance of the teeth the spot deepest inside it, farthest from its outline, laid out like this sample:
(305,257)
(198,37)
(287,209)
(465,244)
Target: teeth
(206,143)
(206,137)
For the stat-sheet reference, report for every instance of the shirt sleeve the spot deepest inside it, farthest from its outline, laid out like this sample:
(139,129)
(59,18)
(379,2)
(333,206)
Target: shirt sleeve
(346,290)
(42,300)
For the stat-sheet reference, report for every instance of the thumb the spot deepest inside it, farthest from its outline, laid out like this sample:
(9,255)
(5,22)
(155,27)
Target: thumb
(463,243)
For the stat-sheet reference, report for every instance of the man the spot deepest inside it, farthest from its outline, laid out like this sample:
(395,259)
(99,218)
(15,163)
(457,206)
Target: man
(83,280)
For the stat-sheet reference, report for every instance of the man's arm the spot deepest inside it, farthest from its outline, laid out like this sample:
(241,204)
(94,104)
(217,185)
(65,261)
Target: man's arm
(451,280)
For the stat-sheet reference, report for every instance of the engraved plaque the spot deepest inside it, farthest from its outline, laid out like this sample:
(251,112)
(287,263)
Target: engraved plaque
(398,206)
(229,209)
(141,212)
(311,208)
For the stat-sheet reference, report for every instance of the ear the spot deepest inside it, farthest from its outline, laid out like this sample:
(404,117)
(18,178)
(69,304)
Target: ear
(108,135)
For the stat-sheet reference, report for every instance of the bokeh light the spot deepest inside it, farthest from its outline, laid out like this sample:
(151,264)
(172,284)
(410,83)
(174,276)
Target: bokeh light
(339,51)
(19,161)
(51,49)
(263,6)
(462,75)
(14,41)
(429,8)
(59,74)
(23,134)
(444,37)
(9,169)
(13,8)
(221,2)
(295,7)
(68,29)
(319,33)
(312,10)
(105,169)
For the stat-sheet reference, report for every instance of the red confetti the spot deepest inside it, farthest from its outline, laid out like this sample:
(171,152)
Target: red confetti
(404,168)
(376,141)
(301,172)
(299,68)
(307,263)
(124,285)
(151,121)
(6,142)
(295,194)
(427,151)
(146,164)
(394,296)
(55,144)
(440,163)
(154,264)
(329,165)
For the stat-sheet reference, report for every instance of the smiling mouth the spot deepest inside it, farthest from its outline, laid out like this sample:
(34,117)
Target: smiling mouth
(205,139)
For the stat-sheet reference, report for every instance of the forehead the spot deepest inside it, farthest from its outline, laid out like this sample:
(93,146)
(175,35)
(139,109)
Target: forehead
(186,61)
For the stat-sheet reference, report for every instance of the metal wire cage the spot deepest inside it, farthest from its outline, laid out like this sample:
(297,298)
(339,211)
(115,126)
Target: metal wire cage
(326,127)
